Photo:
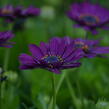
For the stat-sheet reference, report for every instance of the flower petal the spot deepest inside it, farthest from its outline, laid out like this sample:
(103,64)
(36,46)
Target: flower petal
(36,51)
(101,50)
(44,48)
(26,59)
(53,45)
(27,62)
(57,71)
(72,65)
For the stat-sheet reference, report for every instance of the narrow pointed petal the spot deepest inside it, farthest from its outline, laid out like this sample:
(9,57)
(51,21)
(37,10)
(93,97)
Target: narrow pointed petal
(27,62)
(44,48)
(57,71)
(26,59)
(53,45)
(72,65)
(36,51)
(101,50)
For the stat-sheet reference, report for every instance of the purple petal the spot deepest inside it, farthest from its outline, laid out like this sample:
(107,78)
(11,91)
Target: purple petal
(31,11)
(54,45)
(61,49)
(76,26)
(44,48)
(36,51)
(67,40)
(6,45)
(76,55)
(57,71)
(24,67)
(101,50)
(72,65)
(26,59)
(4,36)
(90,55)
(69,50)
(94,32)
(27,62)
(105,27)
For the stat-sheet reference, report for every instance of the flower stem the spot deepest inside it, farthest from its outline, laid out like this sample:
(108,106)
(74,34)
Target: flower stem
(54,91)
(71,90)
(57,88)
(80,94)
(6,59)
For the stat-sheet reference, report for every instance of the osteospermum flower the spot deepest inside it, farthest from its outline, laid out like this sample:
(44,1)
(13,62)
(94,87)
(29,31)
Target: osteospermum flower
(91,48)
(89,16)
(28,12)
(10,13)
(53,56)
(7,12)
(5,37)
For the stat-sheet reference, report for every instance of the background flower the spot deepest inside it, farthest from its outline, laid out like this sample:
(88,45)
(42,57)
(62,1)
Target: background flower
(7,12)
(4,39)
(89,16)
(91,48)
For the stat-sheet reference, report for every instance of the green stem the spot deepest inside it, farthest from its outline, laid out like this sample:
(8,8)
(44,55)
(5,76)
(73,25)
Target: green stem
(0,95)
(80,94)
(57,88)
(25,107)
(71,90)
(6,59)
(54,91)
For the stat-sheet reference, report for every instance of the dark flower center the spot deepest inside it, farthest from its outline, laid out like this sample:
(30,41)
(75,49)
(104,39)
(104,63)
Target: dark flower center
(6,11)
(79,44)
(51,59)
(82,45)
(89,20)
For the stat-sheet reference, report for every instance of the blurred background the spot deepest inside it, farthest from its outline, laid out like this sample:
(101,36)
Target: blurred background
(31,89)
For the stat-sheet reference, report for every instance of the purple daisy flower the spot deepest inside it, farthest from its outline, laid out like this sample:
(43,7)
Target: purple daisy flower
(28,12)
(53,56)
(91,48)
(31,11)
(89,16)
(7,13)
(11,13)
(4,37)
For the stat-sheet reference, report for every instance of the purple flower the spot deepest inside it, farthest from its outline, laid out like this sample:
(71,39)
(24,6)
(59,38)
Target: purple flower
(5,37)
(7,13)
(54,56)
(10,13)
(91,48)
(89,16)
(28,12)
(31,11)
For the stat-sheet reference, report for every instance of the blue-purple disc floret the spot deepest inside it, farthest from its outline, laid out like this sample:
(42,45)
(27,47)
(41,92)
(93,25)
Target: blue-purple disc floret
(89,16)
(54,56)
(4,39)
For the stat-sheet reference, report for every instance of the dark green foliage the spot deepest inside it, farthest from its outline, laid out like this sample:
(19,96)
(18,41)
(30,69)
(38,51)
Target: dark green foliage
(32,89)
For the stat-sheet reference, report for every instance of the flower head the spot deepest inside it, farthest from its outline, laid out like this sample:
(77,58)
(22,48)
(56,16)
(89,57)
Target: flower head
(10,13)
(7,13)
(89,16)
(5,37)
(28,12)
(91,48)
(54,56)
